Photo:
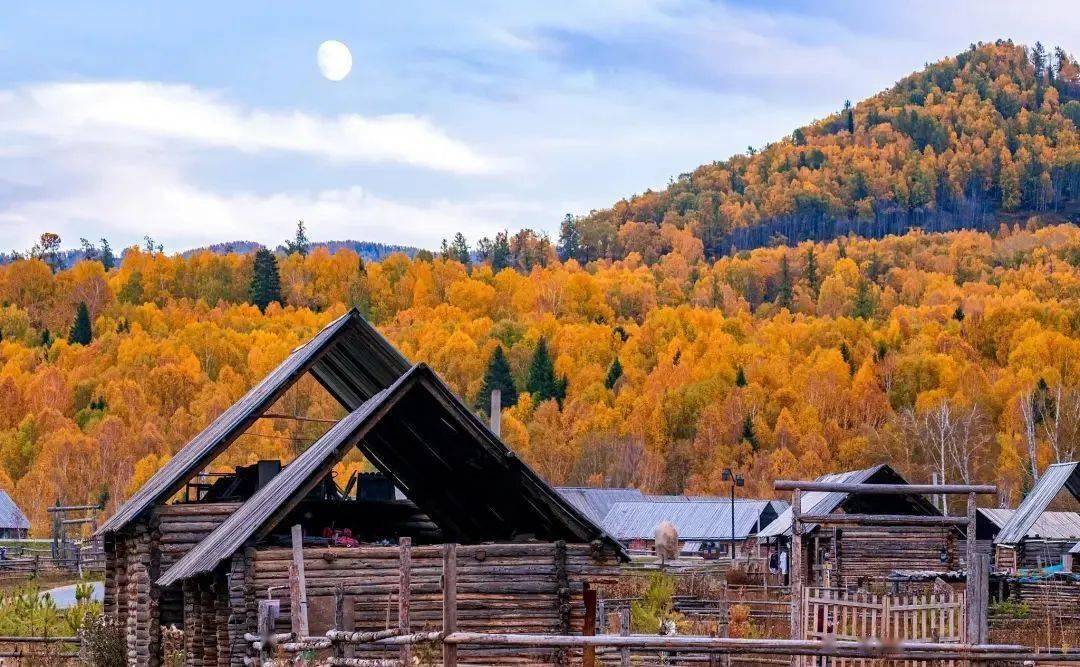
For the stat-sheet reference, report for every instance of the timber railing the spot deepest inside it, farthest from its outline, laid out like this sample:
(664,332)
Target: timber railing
(40,650)
(274,649)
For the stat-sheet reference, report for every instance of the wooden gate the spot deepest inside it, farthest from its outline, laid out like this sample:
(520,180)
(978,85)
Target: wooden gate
(829,613)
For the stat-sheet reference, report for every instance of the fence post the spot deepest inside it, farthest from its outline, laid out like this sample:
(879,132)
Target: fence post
(266,618)
(795,568)
(297,585)
(339,618)
(449,610)
(404,594)
(624,630)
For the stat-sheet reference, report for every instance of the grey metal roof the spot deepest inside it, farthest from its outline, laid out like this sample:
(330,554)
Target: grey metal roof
(595,503)
(1075,549)
(1057,477)
(348,357)
(436,450)
(999,516)
(1048,525)
(826,502)
(10,514)
(694,519)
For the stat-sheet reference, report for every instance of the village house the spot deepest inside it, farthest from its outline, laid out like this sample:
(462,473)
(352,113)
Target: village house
(202,560)
(865,555)
(13,523)
(1034,538)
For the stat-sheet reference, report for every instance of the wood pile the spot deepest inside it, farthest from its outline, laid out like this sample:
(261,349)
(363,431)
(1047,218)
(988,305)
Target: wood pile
(1051,595)
(520,588)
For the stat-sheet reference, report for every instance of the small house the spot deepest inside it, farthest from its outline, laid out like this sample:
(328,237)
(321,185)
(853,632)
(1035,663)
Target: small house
(13,523)
(858,555)
(201,560)
(1033,537)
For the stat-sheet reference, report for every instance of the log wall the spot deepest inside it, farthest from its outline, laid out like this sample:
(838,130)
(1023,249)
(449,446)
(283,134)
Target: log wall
(872,552)
(501,588)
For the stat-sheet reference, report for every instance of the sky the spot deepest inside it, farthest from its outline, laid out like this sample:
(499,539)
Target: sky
(206,122)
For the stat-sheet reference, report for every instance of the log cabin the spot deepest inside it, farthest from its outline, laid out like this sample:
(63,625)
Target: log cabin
(201,561)
(865,555)
(1033,537)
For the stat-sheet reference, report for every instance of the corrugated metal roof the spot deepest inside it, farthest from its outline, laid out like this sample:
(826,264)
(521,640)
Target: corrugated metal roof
(826,502)
(595,503)
(1057,477)
(1075,549)
(348,357)
(10,514)
(435,449)
(694,519)
(999,516)
(1048,525)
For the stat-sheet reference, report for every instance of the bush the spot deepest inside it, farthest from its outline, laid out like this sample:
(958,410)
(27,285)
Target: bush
(1009,609)
(104,640)
(648,614)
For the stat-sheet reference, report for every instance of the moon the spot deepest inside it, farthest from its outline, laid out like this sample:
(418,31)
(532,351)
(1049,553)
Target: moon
(335,60)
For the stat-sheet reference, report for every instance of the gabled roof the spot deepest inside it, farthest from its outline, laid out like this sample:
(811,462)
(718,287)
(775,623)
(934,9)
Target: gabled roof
(1057,477)
(349,358)
(693,519)
(1075,549)
(595,503)
(437,452)
(11,517)
(826,502)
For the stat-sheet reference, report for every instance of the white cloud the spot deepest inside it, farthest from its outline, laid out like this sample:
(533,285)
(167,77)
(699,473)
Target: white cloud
(147,114)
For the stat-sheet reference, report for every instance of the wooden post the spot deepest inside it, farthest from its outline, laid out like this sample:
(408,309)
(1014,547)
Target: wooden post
(449,610)
(268,611)
(298,602)
(588,654)
(977,602)
(496,412)
(404,594)
(339,618)
(624,630)
(795,569)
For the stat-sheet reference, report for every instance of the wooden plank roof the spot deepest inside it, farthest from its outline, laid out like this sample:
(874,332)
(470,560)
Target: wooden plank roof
(348,357)
(1057,477)
(438,453)
(826,502)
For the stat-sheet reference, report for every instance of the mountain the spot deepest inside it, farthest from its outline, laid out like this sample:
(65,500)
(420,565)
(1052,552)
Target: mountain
(967,142)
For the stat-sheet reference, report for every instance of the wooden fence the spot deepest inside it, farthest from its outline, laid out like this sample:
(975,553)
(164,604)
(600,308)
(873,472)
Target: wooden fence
(829,614)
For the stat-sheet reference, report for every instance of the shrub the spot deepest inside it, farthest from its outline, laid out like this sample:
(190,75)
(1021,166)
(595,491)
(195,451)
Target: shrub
(104,640)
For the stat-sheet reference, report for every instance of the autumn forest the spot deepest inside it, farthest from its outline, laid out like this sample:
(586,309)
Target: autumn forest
(899,281)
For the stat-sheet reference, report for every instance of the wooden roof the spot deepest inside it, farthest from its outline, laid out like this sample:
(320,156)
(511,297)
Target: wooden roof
(438,453)
(1057,477)
(349,358)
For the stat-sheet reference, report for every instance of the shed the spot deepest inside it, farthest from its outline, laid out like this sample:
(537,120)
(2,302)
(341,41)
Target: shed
(448,478)
(13,523)
(1034,537)
(866,554)
(596,502)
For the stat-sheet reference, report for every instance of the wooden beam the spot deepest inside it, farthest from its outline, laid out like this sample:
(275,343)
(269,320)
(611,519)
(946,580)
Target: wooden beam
(588,654)
(795,568)
(624,631)
(449,610)
(883,520)
(298,602)
(496,412)
(884,489)
(404,594)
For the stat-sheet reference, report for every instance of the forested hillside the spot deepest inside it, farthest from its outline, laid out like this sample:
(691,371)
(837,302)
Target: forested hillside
(964,142)
(638,350)
(954,352)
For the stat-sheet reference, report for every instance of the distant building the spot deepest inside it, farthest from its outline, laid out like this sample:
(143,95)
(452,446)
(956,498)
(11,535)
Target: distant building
(704,524)
(13,523)
(1034,538)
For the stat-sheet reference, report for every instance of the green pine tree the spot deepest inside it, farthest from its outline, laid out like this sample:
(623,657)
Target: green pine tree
(864,305)
(108,260)
(811,272)
(497,376)
(541,381)
(81,332)
(265,280)
(785,294)
(740,377)
(613,374)
(500,252)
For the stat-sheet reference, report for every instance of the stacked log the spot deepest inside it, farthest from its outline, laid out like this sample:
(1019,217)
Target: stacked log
(182,527)
(500,588)
(143,626)
(1050,596)
(872,552)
